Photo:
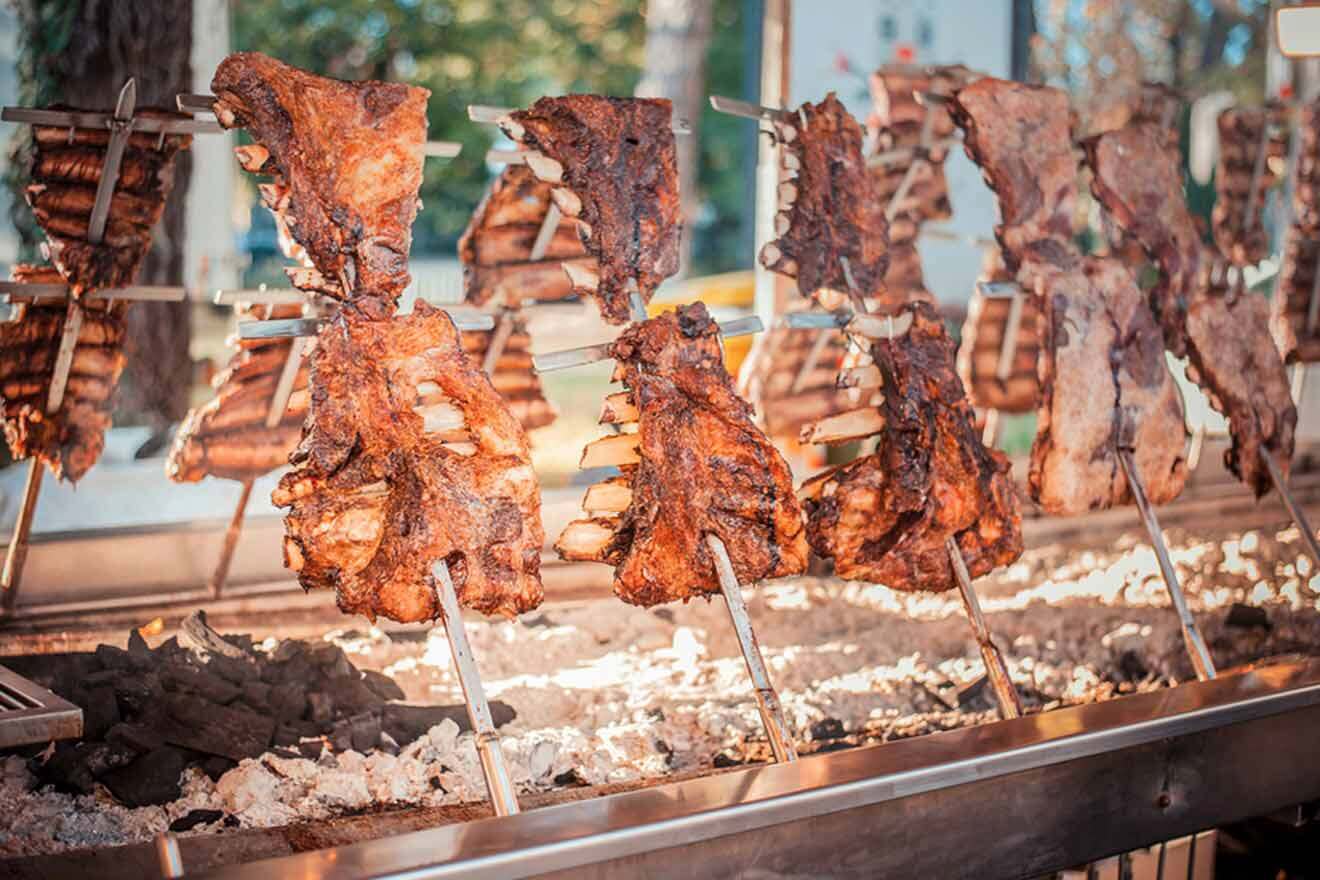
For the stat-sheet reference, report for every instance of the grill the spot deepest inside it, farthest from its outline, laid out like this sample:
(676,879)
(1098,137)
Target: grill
(30,714)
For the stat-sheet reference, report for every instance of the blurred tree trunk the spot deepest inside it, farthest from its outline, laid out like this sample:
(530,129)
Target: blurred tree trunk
(677,34)
(80,52)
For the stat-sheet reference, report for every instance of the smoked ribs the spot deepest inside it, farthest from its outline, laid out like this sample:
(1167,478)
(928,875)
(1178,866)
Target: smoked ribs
(613,166)
(1294,321)
(512,373)
(346,161)
(409,457)
(1253,147)
(982,346)
(696,465)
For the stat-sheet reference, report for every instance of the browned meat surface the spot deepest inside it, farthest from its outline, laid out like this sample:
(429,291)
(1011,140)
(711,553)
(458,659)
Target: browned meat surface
(1296,331)
(1253,146)
(697,466)
(1158,104)
(65,173)
(346,159)
(496,247)
(1105,383)
(885,517)
(615,169)
(512,373)
(1137,176)
(229,436)
(69,440)
(982,345)
(1021,137)
(829,206)
(384,484)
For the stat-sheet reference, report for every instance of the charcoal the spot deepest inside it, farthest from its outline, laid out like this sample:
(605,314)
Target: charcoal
(104,676)
(827,728)
(382,685)
(1247,617)
(216,766)
(195,633)
(974,695)
(111,657)
(387,743)
(256,694)
(289,732)
(139,651)
(138,737)
(366,730)
(235,671)
(406,723)
(298,669)
(289,700)
(321,707)
(341,736)
(183,677)
(151,779)
(102,758)
(286,651)
(100,710)
(311,747)
(196,724)
(67,768)
(1131,667)
(193,818)
(351,695)
(138,693)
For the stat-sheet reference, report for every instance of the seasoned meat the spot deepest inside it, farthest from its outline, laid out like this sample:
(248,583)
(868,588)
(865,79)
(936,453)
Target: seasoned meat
(346,158)
(69,440)
(1296,332)
(496,247)
(1106,384)
(829,207)
(982,345)
(1138,178)
(696,466)
(1021,137)
(1253,146)
(886,517)
(65,174)
(1158,104)
(408,457)
(513,374)
(229,436)
(615,167)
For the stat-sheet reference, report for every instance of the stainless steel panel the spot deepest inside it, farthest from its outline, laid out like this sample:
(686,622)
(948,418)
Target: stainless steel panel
(31,714)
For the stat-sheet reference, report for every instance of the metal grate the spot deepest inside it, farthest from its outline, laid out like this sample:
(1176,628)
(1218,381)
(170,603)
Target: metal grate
(31,714)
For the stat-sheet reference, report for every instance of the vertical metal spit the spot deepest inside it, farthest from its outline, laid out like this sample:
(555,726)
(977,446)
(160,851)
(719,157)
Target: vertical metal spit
(996,669)
(498,783)
(1294,509)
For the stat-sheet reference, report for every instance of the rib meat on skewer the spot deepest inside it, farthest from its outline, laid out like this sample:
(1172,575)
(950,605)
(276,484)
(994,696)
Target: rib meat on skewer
(696,466)
(886,517)
(1094,315)
(1253,146)
(346,159)
(982,344)
(1294,322)
(228,436)
(830,211)
(514,375)
(70,440)
(65,173)
(615,168)
(409,456)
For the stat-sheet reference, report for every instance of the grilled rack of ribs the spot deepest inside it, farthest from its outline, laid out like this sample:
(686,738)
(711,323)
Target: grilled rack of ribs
(1296,332)
(886,517)
(1138,179)
(513,374)
(982,345)
(696,465)
(410,456)
(70,440)
(614,167)
(1222,330)
(346,161)
(1021,138)
(228,436)
(829,207)
(496,247)
(66,169)
(1095,316)
(1253,146)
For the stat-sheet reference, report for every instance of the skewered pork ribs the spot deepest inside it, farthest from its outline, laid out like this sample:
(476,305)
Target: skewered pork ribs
(70,440)
(615,168)
(513,374)
(696,466)
(831,221)
(982,346)
(886,517)
(228,436)
(410,457)
(1095,315)
(1224,334)
(346,159)
(1296,332)
(1253,145)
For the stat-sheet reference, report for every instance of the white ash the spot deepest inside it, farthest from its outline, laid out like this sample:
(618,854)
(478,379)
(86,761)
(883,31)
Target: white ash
(609,693)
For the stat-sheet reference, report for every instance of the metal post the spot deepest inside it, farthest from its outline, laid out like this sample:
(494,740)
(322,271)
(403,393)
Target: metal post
(767,700)
(1294,509)
(996,670)
(498,783)
(1196,648)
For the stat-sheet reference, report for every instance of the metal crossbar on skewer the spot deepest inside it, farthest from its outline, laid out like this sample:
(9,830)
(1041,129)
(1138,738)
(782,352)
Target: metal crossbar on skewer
(498,782)
(767,698)
(590,354)
(1192,639)
(489,115)
(266,296)
(1009,344)
(284,327)
(1257,172)
(859,323)
(747,110)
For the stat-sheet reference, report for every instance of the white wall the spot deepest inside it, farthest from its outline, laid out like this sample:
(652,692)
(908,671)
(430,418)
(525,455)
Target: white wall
(977,33)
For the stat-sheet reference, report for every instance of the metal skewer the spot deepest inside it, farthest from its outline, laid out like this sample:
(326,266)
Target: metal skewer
(488,115)
(284,327)
(996,670)
(1294,509)
(1196,647)
(498,783)
(498,339)
(590,354)
(767,699)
